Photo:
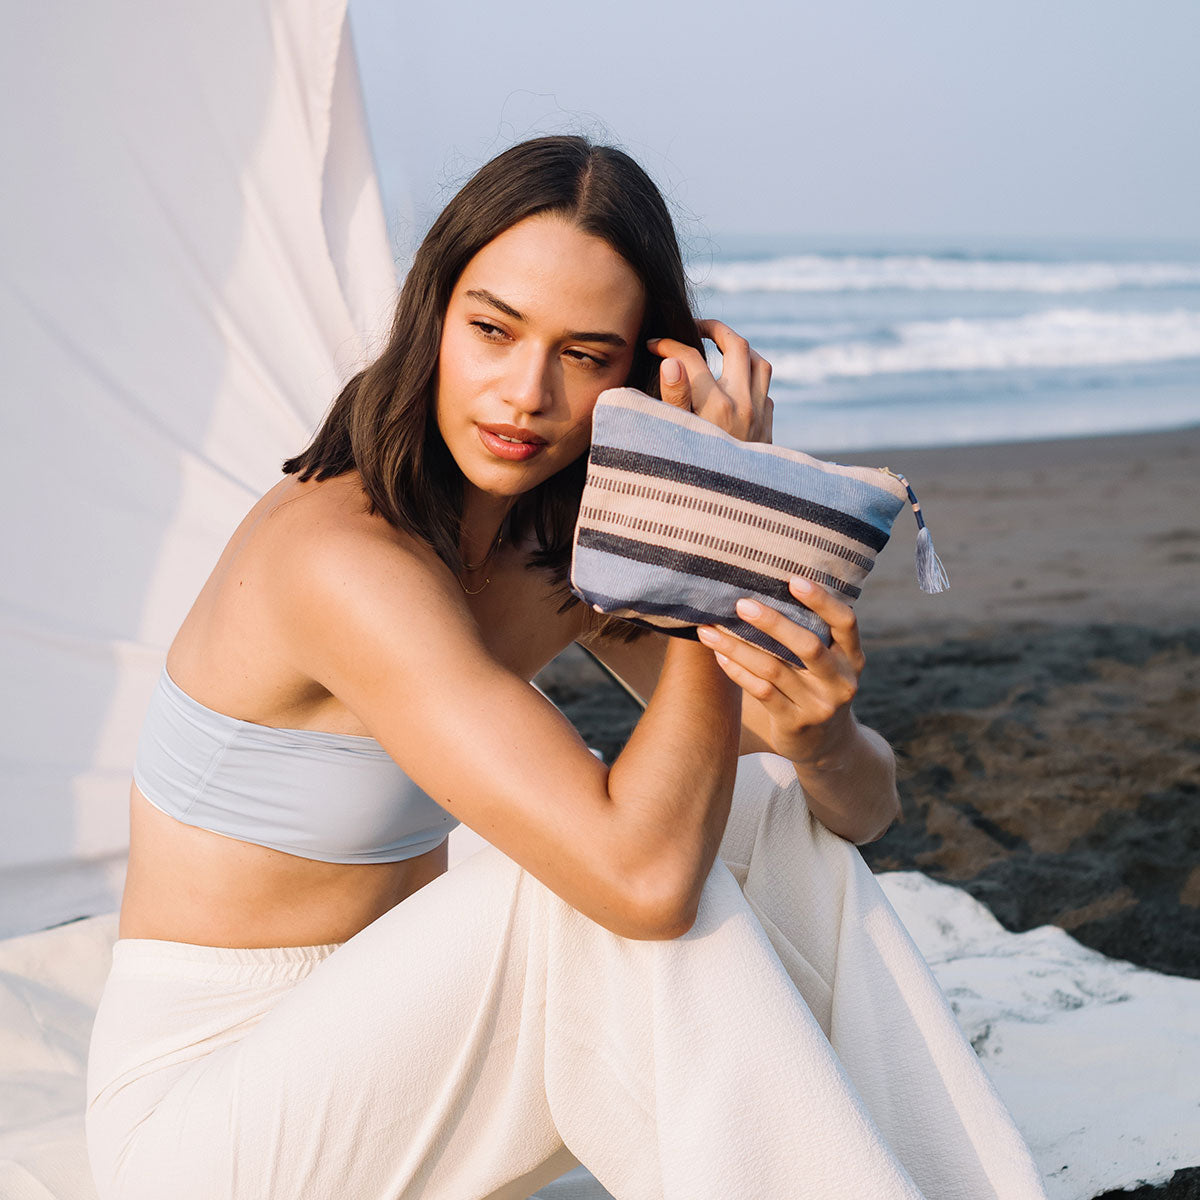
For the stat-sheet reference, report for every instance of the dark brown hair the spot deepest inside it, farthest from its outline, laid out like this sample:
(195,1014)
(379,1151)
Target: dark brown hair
(383,423)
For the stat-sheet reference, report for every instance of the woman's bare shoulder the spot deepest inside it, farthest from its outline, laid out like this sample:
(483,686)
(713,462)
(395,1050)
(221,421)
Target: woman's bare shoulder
(327,566)
(320,534)
(236,650)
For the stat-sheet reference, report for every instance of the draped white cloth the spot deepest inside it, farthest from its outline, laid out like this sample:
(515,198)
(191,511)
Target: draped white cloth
(193,257)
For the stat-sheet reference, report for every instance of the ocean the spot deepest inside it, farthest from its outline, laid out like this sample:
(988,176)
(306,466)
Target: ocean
(923,342)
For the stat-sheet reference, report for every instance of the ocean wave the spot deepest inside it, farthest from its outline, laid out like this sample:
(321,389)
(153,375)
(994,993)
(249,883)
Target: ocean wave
(1063,337)
(918,272)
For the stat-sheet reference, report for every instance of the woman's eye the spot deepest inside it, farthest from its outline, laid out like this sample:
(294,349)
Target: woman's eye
(488,330)
(493,333)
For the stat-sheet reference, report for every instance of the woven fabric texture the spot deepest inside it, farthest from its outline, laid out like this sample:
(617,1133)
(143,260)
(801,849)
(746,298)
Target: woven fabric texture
(678,520)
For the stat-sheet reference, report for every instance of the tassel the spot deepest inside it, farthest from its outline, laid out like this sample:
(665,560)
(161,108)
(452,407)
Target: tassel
(931,575)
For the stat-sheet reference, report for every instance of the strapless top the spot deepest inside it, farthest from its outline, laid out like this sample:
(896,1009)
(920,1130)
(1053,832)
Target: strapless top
(328,796)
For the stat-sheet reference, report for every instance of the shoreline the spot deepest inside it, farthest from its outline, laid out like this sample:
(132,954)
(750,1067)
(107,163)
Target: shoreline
(1070,530)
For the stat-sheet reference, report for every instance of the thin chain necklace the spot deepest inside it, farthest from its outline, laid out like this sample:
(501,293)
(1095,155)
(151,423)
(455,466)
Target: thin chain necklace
(482,563)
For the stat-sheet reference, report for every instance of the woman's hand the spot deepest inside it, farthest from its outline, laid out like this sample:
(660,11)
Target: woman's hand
(737,402)
(807,712)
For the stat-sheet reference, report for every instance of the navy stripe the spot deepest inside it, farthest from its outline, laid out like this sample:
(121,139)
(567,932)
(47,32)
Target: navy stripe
(700,566)
(735,625)
(730,485)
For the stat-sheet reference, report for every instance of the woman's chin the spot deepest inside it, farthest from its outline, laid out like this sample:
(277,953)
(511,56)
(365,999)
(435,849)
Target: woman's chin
(511,480)
(505,484)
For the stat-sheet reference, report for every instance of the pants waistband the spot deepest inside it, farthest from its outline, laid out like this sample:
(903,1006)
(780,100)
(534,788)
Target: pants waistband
(151,956)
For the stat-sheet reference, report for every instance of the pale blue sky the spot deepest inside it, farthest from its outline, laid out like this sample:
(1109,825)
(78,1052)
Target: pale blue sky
(1043,117)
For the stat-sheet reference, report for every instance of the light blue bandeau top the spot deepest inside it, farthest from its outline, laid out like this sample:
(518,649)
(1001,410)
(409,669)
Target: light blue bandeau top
(330,796)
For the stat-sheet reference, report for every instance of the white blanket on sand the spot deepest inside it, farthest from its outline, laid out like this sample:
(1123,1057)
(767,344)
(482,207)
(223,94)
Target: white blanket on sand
(1098,1061)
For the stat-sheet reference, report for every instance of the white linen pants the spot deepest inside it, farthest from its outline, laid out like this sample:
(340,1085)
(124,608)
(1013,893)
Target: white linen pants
(482,1037)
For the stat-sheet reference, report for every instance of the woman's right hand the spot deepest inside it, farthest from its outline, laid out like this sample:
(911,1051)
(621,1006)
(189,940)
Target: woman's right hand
(737,402)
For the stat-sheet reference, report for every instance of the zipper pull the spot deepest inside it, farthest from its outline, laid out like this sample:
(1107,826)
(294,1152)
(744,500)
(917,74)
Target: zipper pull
(931,575)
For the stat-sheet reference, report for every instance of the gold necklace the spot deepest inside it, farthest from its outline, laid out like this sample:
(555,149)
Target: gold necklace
(482,563)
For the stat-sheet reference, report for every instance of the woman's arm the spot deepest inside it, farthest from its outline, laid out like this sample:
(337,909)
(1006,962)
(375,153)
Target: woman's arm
(848,771)
(385,628)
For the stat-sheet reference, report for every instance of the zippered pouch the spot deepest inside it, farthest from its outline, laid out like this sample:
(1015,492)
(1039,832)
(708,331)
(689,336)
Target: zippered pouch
(679,520)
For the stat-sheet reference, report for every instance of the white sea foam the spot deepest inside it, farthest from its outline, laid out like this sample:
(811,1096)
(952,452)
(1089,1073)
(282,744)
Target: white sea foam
(1061,337)
(918,272)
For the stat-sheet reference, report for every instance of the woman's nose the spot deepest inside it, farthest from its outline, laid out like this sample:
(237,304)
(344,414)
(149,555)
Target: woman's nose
(530,383)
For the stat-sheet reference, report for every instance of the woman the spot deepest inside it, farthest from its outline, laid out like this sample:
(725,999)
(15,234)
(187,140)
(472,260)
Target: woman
(304,1001)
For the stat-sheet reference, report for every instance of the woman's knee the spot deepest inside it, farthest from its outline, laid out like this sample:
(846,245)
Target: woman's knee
(764,783)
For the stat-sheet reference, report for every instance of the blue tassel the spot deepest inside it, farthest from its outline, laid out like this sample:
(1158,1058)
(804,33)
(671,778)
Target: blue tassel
(931,575)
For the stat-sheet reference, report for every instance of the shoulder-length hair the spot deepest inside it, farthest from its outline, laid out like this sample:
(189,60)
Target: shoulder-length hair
(384,423)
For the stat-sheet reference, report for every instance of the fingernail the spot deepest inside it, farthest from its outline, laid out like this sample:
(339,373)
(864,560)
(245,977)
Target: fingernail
(721,659)
(672,369)
(800,585)
(747,608)
(706,635)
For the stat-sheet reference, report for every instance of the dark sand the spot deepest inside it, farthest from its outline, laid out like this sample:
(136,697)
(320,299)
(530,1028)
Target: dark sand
(1045,711)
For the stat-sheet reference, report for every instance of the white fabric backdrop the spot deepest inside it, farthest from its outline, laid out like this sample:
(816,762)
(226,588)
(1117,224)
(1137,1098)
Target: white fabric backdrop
(193,256)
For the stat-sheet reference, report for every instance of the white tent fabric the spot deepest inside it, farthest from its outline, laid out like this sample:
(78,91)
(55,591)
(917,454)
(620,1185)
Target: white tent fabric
(193,257)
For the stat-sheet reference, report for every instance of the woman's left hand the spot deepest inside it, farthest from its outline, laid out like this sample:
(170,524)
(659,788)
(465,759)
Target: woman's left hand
(808,711)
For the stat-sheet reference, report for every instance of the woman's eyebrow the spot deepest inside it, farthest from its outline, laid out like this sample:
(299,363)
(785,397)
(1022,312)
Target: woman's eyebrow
(482,294)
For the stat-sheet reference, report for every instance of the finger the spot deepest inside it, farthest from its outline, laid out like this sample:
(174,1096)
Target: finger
(836,613)
(674,385)
(760,374)
(764,406)
(788,693)
(695,366)
(753,685)
(755,659)
(824,663)
(736,363)
(798,686)
(693,360)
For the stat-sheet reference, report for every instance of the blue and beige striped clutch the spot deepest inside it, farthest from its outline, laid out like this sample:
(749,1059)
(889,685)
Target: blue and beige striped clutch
(678,520)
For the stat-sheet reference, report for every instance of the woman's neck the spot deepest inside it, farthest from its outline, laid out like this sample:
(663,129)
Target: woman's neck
(482,520)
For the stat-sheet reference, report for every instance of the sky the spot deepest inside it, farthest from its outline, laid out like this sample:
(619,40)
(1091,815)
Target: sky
(918,118)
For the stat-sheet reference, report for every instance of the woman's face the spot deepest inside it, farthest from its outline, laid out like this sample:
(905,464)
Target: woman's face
(541,321)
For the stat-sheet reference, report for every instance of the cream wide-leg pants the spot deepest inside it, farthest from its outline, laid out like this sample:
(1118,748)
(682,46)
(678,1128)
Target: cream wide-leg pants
(482,1037)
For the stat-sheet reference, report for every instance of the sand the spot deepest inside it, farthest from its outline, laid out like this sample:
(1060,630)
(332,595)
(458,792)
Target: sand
(1045,711)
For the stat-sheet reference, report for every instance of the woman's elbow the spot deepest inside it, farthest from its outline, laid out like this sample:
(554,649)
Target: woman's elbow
(661,910)
(667,924)
(889,818)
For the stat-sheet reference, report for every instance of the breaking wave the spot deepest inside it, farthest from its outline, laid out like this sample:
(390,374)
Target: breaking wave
(918,272)
(1063,337)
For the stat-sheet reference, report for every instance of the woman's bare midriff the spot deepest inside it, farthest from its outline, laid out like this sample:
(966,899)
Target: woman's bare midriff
(191,885)
(187,884)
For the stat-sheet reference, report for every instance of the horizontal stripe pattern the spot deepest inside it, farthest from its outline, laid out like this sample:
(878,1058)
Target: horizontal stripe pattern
(680,620)
(723,562)
(678,521)
(743,489)
(623,418)
(747,520)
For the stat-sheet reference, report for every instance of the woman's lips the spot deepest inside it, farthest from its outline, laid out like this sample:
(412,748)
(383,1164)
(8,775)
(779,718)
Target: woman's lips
(494,439)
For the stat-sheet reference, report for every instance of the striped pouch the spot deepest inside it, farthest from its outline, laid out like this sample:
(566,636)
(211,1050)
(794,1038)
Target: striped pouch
(679,520)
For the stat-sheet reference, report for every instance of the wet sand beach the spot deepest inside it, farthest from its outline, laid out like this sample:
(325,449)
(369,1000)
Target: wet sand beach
(1045,711)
